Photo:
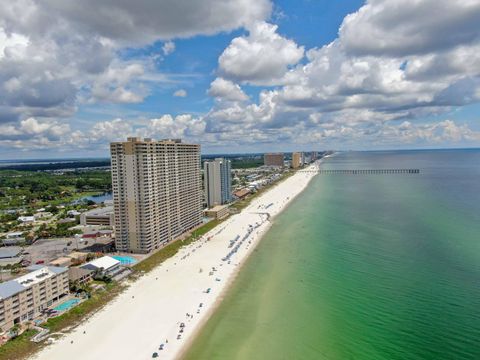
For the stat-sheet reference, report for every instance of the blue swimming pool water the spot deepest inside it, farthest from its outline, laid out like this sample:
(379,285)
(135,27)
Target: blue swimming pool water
(125,260)
(66,305)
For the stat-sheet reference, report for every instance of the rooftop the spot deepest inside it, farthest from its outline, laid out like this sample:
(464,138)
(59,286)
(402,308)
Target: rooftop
(100,211)
(218,208)
(105,262)
(10,252)
(38,273)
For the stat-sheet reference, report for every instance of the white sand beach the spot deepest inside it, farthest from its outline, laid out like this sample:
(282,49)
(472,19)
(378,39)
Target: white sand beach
(150,312)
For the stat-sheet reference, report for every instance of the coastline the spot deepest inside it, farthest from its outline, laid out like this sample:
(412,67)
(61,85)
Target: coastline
(128,321)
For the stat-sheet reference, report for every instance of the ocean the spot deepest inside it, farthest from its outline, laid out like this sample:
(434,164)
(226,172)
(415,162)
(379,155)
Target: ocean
(363,267)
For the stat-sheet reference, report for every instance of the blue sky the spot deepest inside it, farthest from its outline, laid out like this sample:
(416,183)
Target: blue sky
(244,76)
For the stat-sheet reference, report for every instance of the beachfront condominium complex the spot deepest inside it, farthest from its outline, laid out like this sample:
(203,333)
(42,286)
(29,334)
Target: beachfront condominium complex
(25,298)
(273,159)
(297,160)
(218,182)
(156,192)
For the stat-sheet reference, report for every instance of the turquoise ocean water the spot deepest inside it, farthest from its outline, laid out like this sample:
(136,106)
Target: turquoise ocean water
(363,267)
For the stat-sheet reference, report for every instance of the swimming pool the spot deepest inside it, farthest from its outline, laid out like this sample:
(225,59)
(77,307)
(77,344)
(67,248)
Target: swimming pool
(66,305)
(125,260)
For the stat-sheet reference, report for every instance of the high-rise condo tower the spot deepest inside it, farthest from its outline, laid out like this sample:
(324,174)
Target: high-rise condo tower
(156,192)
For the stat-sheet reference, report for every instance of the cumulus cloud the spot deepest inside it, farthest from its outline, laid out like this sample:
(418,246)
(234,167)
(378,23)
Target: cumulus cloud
(144,21)
(261,58)
(410,27)
(226,90)
(54,54)
(393,64)
(389,63)
(31,128)
(180,93)
(115,84)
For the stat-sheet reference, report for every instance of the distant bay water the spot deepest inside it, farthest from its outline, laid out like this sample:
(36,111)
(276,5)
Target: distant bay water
(364,267)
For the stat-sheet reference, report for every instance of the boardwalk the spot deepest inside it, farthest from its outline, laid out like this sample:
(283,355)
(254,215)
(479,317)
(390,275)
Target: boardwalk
(363,171)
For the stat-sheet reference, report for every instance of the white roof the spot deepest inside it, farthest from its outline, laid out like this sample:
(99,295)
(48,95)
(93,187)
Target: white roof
(26,218)
(105,262)
(38,275)
(15,233)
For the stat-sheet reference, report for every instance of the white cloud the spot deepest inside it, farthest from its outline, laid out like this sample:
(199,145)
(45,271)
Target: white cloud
(393,64)
(226,90)
(54,54)
(262,58)
(168,48)
(31,128)
(115,84)
(180,93)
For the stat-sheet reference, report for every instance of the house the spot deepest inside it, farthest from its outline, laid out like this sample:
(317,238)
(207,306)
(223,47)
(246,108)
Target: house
(106,266)
(42,215)
(73,213)
(67,220)
(13,238)
(26,219)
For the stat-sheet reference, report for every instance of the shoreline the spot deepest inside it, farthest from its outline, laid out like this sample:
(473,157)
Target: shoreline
(150,312)
(218,300)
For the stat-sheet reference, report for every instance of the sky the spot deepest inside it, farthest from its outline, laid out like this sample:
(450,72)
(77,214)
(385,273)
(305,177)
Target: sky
(238,76)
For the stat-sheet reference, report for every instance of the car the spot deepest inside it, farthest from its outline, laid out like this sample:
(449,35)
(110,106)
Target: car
(40,262)
(154,355)
(161,347)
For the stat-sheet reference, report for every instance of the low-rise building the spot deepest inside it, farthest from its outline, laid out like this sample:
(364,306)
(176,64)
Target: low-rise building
(242,193)
(62,261)
(66,221)
(100,216)
(26,219)
(25,298)
(77,256)
(73,213)
(93,233)
(10,255)
(13,238)
(42,215)
(106,266)
(217,212)
(79,275)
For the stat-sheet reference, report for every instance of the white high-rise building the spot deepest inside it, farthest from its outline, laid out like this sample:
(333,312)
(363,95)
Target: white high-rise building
(156,192)
(218,182)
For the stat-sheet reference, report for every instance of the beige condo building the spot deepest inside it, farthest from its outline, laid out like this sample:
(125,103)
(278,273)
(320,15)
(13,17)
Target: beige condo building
(156,192)
(297,160)
(25,298)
